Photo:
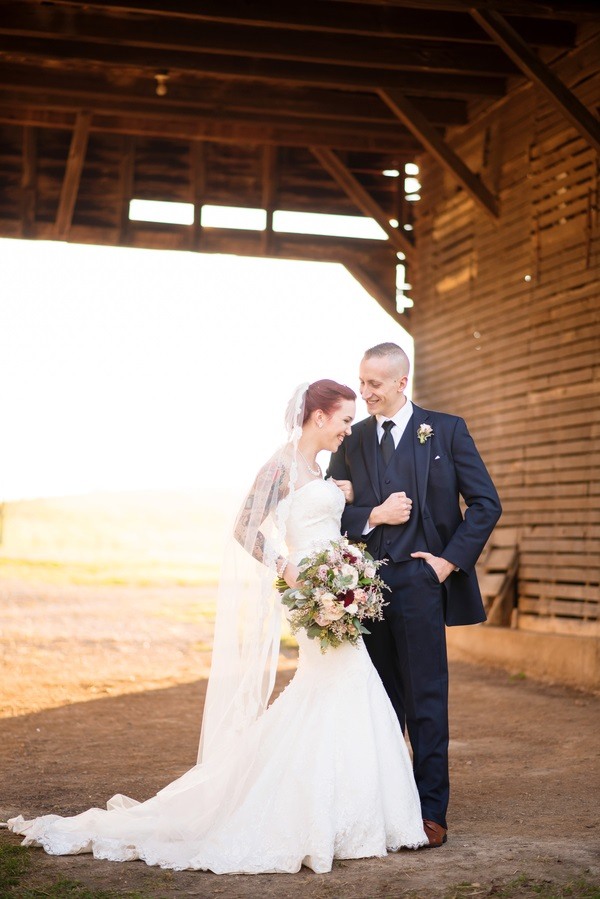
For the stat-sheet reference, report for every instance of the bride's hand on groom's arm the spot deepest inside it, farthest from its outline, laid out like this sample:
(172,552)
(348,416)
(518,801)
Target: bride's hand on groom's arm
(346,488)
(395,510)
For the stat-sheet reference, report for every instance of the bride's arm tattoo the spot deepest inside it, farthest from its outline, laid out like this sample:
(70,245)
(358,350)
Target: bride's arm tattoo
(274,482)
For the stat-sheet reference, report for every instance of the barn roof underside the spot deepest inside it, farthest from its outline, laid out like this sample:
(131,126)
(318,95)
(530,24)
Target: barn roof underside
(297,105)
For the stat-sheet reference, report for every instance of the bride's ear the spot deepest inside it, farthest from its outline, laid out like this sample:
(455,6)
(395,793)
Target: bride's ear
(319,418)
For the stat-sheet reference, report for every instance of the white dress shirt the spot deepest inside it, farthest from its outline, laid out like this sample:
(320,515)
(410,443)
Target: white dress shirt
(400,419)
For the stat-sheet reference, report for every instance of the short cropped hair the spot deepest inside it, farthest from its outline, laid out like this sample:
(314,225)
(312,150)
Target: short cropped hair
(395,353)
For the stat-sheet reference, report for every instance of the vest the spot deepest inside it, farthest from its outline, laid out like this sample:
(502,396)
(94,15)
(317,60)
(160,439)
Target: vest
(399,541)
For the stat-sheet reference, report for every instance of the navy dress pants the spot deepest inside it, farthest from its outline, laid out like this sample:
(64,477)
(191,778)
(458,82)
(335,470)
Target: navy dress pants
(408,649)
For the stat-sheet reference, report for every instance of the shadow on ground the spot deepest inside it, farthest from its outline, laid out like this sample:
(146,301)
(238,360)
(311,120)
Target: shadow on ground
(524,818)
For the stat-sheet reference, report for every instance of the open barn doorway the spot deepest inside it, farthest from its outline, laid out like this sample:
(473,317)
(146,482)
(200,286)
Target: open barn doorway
(123,368)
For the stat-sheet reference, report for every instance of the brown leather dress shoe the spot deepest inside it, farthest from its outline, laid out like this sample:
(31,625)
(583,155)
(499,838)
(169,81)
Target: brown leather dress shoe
(436,834)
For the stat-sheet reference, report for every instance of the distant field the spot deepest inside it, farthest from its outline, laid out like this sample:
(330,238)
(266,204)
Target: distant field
(139,538)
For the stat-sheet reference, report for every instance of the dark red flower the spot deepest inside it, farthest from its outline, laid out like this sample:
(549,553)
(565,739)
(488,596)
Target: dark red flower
(347,597)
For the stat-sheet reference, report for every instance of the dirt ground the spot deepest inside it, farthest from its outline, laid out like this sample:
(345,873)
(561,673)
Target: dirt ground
(102,691)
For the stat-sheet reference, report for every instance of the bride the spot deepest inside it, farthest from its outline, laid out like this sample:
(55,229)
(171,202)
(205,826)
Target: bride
(323,772)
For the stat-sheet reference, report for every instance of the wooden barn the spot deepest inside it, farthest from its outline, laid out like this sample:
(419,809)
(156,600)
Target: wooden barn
(333,106)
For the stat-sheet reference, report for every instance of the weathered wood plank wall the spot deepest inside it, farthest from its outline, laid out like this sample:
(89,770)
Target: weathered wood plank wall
(507,332)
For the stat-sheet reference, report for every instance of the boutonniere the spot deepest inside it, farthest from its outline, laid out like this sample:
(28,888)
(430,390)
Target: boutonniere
(424,432)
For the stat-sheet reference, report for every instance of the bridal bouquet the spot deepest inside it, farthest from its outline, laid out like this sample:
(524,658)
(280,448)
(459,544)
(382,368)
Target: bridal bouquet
(338,589)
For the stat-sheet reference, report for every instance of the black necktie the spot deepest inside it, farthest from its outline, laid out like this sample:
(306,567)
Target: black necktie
(387,441)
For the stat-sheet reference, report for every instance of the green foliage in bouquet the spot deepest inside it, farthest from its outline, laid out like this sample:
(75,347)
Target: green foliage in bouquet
(338,589)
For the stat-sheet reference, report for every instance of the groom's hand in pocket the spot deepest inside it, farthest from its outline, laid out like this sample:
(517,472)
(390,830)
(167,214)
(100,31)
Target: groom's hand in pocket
(441,567)
(395,510)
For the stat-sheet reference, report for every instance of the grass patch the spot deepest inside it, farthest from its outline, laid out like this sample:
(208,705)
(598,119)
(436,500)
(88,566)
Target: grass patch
(525,887)
(14,862)
(73,889)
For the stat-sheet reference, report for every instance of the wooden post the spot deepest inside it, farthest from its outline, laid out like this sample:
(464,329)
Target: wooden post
(126,177)
(269,192)
(70,187)
(198,150)
(28,181)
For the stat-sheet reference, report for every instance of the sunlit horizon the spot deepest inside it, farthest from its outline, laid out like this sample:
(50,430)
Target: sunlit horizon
(129,369)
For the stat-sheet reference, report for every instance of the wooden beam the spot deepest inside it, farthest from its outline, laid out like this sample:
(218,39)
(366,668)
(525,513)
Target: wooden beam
(575,10)
(338,18)
(408,113)
(307,247)
(70,188)
(343,77)
(198,95)
(82,24)
(28,180)
(135,118)
(532,66)
(365,202)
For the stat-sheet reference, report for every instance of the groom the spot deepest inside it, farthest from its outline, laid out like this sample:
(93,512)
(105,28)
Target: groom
(408,467)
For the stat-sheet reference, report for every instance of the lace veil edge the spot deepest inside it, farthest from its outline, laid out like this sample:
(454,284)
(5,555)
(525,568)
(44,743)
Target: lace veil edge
(248,619)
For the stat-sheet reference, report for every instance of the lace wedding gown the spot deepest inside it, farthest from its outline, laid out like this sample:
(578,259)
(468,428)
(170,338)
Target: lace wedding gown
(330,776)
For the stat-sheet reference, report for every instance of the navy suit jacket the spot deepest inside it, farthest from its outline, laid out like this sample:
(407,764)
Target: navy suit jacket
(448,466)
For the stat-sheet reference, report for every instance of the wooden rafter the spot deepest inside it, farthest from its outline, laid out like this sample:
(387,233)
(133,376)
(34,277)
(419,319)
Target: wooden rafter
(345,77)
(70,187)
(28,180)
(252,88)
(557,92)
(346,180)
(129,118)
(561,9)
(416,122)
(390,132)
(190,94)
(340,18)
(218,38)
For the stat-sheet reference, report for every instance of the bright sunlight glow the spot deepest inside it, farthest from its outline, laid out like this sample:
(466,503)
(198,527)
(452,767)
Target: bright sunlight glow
(161,211)
(335,225)
(243,218)
(146,369)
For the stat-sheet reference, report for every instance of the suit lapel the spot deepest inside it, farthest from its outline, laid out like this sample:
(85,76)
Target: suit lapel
(422,453)
(369,450)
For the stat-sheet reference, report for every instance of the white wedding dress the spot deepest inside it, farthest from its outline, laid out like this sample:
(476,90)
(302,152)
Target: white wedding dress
(330,776)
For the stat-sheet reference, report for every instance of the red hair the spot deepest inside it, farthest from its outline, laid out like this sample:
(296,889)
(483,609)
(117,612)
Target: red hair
(326,395)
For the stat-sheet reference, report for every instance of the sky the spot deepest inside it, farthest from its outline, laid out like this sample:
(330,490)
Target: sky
(127,369)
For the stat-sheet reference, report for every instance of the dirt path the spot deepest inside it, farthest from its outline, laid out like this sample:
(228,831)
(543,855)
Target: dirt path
(102,691)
